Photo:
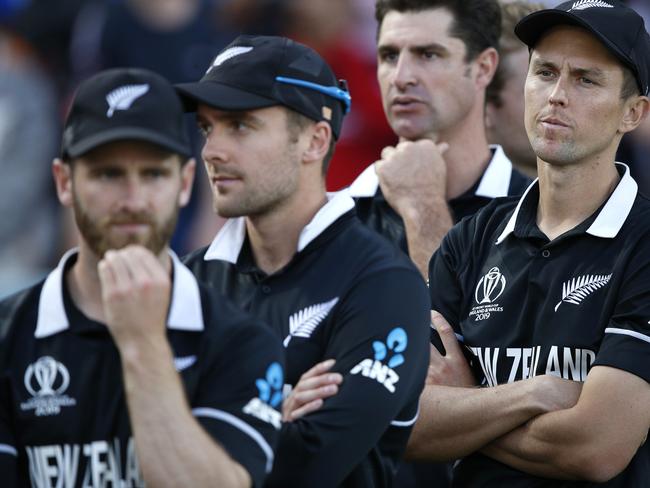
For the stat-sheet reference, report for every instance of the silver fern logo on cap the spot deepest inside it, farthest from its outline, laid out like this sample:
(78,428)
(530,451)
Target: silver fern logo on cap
(123,97)
(585,4)
(577,289)
(229,54)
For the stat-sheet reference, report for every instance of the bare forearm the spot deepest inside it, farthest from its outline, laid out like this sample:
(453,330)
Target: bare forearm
(425,229)
(562,445)
(173,449)
(593,440)
(455,422)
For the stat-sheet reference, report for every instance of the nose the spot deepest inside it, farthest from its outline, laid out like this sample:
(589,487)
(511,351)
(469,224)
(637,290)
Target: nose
(404,74)
(558,95)
(134,194)
(213,151)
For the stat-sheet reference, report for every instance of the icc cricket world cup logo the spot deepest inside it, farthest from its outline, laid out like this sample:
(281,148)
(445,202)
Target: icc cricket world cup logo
(490,287)
(46,377)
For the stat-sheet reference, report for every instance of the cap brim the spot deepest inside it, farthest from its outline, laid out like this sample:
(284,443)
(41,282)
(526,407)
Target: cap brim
(532,27)
(126,133)
(220,96)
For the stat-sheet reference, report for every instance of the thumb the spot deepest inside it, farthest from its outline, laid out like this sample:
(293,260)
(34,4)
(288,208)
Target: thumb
(446,333)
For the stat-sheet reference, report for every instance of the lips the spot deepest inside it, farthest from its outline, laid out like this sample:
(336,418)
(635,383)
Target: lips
(404,101)
(553,121)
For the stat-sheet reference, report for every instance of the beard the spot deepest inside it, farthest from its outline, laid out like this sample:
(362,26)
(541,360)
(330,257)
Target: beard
(97,233)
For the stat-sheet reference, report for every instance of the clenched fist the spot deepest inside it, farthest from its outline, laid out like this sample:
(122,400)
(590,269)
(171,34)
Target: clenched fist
(413,175)
(136,291)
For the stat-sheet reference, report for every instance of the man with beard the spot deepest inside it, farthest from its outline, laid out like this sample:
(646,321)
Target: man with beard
(119,368)
(332,289)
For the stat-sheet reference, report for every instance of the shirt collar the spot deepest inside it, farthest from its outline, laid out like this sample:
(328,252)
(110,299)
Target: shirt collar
(228,242)
(611,217)
(366,184)
(185,311)
(494,183)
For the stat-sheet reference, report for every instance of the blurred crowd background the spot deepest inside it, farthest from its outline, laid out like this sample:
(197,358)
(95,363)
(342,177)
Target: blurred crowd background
(48,46)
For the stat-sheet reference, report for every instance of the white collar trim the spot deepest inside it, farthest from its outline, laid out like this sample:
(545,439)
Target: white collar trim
(494,183)
(609,220)
(228,242)
(366,184)
(186,312)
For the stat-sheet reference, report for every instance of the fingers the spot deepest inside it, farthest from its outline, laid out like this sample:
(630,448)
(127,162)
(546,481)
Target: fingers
(318,369)
(304,410)
(314,386)
(446,333)
(387,152)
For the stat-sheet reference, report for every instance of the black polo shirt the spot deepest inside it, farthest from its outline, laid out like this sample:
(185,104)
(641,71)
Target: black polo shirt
(348,295)
(527,306)
(499,179)
(63,412)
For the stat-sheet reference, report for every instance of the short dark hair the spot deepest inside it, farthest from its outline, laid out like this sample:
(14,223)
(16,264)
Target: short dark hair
(630,85)
(296,123)
(476,22)
(511,13)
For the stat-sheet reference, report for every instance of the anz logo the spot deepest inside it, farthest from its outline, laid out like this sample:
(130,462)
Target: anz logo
(387,356)
(264,406)
(271,388)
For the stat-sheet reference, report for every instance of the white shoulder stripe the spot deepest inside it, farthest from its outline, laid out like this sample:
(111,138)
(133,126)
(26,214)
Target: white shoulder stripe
(406,423)
(631,333)
(241,425)
(7,449)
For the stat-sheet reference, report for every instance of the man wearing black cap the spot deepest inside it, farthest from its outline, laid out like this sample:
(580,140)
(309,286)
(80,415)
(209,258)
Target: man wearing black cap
(119,368)
(271,109)
(550,293)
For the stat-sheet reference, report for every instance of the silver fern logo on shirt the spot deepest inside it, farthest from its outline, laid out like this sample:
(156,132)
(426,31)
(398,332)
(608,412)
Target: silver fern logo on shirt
(123,97)
(304,323)
(585,4)
(577,289)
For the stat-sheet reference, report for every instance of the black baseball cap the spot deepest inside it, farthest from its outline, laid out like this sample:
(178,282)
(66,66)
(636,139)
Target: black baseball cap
(261,71)
(125,104)
(618,27)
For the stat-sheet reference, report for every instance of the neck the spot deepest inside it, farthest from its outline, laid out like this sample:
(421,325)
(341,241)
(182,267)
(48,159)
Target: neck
(84,284)
(274,236)
(570,194)
(468,154)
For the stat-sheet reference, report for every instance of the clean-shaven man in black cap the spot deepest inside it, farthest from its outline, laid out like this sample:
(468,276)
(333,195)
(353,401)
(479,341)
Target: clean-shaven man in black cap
(550,293)
(331,289)
(119,368)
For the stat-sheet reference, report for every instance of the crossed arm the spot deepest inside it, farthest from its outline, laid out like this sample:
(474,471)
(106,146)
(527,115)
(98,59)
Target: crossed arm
(544,426)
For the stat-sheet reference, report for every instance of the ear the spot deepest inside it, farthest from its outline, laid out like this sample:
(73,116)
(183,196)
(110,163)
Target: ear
(62,174)
(635,111)
(320,135)
(486,64)
(188,170)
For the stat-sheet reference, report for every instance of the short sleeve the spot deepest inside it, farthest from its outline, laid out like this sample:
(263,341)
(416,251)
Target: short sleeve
(626,341)
(240,394)
(444,286)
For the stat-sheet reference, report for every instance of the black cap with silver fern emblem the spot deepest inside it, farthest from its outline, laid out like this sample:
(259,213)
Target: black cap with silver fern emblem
(124,104)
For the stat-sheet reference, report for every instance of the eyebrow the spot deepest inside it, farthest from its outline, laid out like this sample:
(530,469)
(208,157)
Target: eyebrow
(417,49)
